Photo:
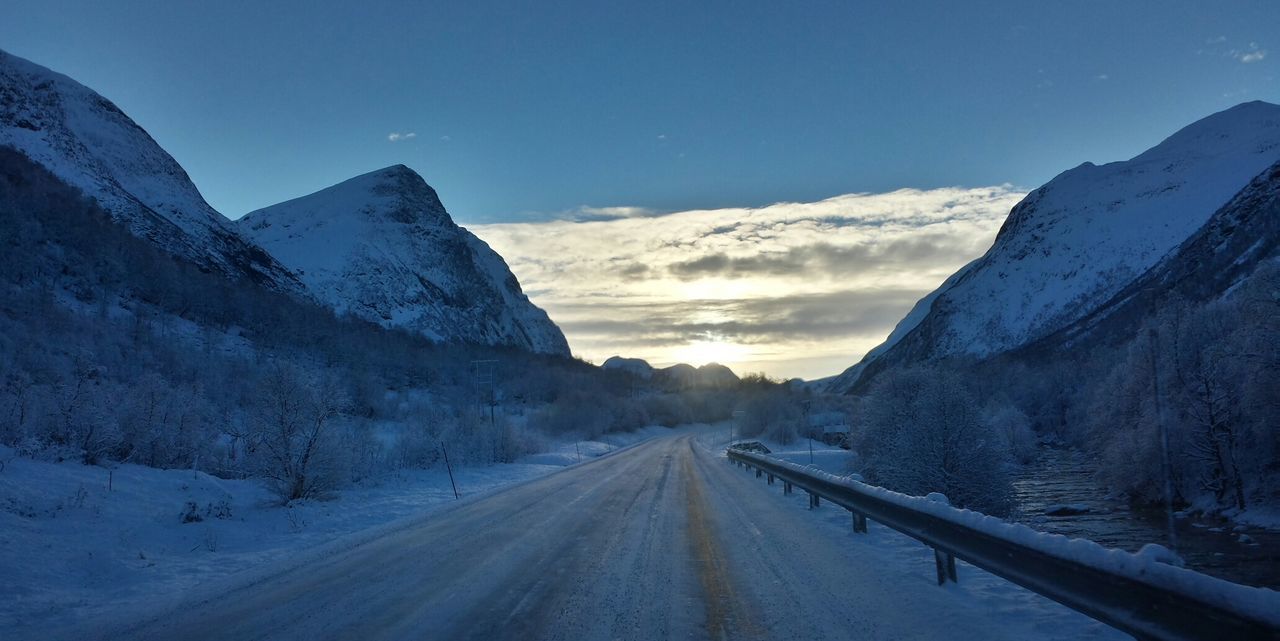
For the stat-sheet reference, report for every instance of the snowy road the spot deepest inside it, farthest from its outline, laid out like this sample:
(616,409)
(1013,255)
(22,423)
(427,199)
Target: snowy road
(664,540)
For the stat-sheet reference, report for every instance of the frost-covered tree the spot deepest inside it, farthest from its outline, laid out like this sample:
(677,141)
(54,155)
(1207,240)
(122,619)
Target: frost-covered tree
(922,431)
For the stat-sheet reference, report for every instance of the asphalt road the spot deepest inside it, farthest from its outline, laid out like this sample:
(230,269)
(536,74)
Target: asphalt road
(664,540)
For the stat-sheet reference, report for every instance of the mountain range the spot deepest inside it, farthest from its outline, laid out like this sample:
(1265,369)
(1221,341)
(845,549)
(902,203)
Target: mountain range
(380,246)
(680,376)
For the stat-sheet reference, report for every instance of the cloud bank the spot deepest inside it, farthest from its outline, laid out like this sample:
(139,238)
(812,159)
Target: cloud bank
(792,289)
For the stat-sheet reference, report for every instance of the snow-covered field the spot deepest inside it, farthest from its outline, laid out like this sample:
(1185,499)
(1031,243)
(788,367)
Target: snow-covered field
(78,542)
(827,458)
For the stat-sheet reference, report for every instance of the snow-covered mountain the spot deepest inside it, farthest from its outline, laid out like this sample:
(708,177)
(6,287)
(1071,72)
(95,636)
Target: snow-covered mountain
(85,140)
(1213,262)
(382,247)
(1074,243)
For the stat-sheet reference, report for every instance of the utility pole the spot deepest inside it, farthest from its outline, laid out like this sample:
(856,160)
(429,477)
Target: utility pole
(1164,445)
(737,416)
(449,467)
(804,413)
(482,379)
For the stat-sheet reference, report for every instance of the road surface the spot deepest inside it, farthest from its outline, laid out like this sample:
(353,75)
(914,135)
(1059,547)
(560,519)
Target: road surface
(664,540)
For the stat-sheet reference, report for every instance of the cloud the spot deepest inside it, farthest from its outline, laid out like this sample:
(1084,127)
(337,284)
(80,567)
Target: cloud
(590,214)
(831,260)
(804,288)
(396,136)
(1102,76)
(1250,54)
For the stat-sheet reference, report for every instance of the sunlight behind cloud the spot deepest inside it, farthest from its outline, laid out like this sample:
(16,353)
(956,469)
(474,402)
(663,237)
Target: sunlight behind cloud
(700,353)
(791,289)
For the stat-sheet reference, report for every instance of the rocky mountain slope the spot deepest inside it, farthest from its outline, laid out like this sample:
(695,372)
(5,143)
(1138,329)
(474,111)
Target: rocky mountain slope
(382,247)
(85,140)
(1073,244)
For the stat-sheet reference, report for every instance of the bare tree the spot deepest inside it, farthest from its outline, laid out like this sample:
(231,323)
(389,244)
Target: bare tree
(291,430)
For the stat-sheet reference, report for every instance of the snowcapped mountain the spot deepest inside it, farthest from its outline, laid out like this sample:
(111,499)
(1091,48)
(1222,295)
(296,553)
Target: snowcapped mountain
(85,140)
(1073,244)
(382,247)
(1214,261)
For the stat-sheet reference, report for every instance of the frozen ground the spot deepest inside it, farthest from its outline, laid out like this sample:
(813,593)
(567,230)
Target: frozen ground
(72,550)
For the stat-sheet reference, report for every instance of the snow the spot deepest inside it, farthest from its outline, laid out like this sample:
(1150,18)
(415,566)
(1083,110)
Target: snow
(81,550)
(1149,565)
(826,458)
(88,142)
(382,247)
(1260,516)
(1073,243)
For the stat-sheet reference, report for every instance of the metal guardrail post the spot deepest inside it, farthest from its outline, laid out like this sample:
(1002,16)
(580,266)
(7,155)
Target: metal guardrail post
(946,563)
(859,522)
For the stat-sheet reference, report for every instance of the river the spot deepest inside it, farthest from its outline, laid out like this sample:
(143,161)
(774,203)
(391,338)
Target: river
(1206,544)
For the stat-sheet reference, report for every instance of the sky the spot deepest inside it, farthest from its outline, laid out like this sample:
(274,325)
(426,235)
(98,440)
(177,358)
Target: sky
(627,120)
(791,289)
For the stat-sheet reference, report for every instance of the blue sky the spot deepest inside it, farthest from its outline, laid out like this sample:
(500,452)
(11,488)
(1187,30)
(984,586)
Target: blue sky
(523,110)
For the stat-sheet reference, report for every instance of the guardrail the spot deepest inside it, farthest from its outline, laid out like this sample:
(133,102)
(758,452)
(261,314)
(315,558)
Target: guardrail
(1147,599)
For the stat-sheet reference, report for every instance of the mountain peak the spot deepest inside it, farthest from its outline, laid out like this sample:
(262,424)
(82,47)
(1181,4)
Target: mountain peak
(392,194)
(381,246)
(1223,132)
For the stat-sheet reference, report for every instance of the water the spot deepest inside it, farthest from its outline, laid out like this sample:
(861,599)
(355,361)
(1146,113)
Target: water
(1207,545)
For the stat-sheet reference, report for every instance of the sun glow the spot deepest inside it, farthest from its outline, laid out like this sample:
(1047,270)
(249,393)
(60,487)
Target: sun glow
(712,351)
